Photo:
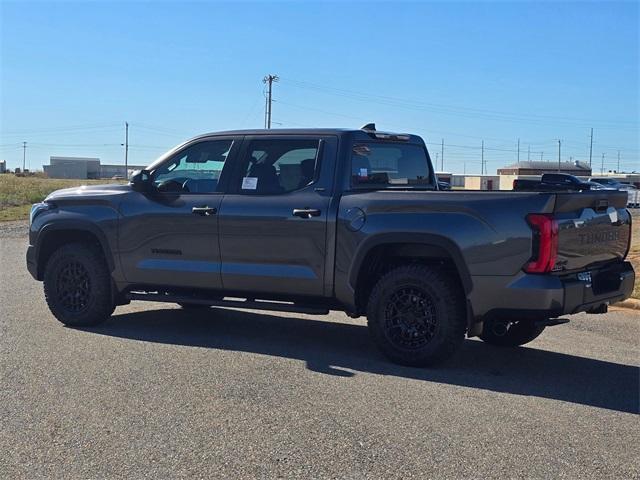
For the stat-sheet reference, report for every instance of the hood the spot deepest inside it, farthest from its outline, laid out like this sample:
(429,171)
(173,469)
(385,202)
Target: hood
(88,192)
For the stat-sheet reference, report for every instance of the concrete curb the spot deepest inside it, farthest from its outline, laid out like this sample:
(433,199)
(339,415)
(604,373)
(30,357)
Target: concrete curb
(629,303)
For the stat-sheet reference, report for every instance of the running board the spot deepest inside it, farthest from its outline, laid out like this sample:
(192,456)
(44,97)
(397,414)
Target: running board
(551,322)
(246,304)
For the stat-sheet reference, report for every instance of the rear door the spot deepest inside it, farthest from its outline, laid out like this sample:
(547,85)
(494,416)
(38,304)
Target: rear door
(169,236)
(273,221)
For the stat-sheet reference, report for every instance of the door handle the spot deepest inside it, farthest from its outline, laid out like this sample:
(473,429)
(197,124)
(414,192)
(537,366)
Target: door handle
(205,211)
(306,212)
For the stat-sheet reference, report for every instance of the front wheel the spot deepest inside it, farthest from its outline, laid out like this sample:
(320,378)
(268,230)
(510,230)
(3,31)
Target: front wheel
(505,333)
(77,286)
(416,315)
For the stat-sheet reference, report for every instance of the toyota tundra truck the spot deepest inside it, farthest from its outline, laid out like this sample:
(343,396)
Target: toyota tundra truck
(313,220)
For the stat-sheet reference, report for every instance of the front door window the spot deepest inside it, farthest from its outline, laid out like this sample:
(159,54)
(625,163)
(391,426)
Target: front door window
(196,169)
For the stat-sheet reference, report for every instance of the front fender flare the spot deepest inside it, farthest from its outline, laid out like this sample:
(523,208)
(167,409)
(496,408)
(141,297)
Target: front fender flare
(73,224)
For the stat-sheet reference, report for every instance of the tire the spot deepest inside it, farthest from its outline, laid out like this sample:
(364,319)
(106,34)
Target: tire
(503,333)
(431,323)
(77,286)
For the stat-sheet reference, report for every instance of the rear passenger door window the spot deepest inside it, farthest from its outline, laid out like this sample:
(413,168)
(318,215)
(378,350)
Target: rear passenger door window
(278,166)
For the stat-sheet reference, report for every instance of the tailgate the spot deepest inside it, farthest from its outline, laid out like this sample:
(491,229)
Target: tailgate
(593,227)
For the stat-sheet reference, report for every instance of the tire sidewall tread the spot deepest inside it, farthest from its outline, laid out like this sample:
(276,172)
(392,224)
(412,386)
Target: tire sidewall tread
(449,302)
(101,304)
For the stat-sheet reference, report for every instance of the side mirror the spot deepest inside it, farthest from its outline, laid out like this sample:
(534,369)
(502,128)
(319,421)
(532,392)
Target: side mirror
(140,181)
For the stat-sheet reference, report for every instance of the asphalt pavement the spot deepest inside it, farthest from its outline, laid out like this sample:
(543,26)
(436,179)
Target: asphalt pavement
(157,392)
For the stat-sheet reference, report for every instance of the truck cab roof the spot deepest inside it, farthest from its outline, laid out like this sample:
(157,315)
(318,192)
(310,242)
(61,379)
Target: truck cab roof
(355,134)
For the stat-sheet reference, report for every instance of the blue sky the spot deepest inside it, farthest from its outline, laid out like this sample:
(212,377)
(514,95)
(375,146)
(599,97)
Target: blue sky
(73,73)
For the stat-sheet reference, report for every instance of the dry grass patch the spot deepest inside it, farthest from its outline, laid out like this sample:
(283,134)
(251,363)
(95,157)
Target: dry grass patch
(18,193)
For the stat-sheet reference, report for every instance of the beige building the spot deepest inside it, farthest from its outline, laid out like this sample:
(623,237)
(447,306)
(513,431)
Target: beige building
(538,168)
(482,182)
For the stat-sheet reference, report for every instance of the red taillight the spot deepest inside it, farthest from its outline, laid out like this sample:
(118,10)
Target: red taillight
(545,243)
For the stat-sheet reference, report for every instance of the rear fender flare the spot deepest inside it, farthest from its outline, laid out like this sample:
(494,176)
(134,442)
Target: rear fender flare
(411,238)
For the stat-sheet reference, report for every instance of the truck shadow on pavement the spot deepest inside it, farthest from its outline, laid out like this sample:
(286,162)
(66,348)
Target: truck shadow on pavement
(345,349)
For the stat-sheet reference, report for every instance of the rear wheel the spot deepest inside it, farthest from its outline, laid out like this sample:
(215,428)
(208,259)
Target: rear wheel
(416,315)
(505,333)
(77,285)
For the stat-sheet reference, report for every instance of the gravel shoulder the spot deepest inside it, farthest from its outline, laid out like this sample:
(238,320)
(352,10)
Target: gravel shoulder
(14,229)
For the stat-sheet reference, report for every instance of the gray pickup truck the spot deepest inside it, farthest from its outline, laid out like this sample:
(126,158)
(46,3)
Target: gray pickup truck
(312,220)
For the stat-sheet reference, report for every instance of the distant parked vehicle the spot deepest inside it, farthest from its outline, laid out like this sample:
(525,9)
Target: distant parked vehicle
(443,185)
(554,182)
(597,186)
(633,194)
(608,183)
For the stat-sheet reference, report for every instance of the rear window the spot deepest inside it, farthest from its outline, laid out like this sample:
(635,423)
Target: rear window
(388,165)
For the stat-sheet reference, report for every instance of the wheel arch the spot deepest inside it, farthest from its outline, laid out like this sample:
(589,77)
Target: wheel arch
(53,235)
(381,252)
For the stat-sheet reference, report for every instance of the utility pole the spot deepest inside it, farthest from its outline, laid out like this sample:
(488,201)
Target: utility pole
(541,154)
(558,155)
(518,150)
(529,153)
(618,171)
(602,166)
(126,150)
(482,164)
(442,157)
(437,160)
(24,155)
(269,79)
(591,147)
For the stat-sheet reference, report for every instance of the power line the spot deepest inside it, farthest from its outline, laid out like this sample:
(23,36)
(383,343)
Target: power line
(126,150)
(591,147)
(302,107)
(449,109)
(61,129)
(269,79)
(618,161)
(559,154)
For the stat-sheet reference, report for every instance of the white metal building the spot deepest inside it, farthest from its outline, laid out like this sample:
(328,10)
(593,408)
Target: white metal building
(85,168)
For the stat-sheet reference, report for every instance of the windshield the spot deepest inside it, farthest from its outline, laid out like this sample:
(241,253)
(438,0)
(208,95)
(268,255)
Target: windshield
(390,165)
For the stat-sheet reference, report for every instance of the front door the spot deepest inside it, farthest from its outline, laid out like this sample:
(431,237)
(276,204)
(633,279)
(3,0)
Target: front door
(169,236)
(273,221)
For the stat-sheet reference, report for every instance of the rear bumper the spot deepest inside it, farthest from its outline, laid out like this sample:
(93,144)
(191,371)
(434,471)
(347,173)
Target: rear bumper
(615,284)
(547,296)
